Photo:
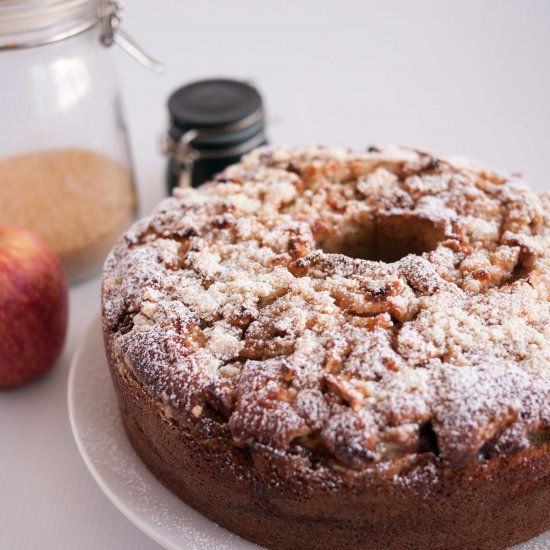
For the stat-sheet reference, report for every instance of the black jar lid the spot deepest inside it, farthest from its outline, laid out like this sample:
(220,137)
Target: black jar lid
(212,124)
(213,103)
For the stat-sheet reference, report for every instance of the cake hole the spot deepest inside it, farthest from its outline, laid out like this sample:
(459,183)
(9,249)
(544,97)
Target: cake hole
(124,324)
(385,238)
(539,438)
(523,268)
(428,439)
(213,414)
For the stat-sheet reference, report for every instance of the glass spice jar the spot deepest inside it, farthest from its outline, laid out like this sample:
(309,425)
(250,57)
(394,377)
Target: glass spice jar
(212,124)
(65,167)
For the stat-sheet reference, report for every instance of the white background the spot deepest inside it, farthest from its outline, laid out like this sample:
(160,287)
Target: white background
(469,77)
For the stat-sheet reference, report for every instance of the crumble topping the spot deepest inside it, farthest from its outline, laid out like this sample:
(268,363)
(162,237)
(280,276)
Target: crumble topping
(354,308)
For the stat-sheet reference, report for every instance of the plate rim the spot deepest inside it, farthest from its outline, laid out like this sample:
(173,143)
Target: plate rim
(103,485)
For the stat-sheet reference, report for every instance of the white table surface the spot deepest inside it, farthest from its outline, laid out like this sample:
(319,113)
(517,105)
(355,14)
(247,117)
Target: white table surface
(469,77)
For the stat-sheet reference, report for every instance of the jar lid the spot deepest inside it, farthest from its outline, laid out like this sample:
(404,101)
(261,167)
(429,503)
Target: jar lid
(215,122)
(28,22)
(218,103)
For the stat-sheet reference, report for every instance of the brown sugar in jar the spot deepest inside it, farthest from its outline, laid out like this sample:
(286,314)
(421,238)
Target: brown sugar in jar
(78,200)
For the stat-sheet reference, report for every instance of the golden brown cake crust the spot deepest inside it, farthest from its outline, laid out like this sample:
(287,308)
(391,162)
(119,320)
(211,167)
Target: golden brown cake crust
(481,506)
(343,347)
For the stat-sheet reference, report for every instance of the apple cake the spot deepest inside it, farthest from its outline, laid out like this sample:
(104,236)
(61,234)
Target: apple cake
(350,350)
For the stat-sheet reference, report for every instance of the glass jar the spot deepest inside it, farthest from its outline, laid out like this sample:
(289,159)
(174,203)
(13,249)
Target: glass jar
(212,124)
(65,167)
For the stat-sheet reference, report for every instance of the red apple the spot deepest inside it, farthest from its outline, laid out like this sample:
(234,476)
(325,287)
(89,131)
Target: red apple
(33,306)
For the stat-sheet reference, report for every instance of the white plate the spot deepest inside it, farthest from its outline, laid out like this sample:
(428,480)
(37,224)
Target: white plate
(102,442)
(113,463)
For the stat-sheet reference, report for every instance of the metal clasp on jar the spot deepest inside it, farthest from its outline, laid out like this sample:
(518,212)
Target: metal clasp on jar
(186,154)
(110,14)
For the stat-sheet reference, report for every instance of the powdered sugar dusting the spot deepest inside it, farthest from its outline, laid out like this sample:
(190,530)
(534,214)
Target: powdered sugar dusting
(357,309)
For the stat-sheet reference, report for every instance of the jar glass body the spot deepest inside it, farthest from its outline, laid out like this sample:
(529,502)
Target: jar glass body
(65,167)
